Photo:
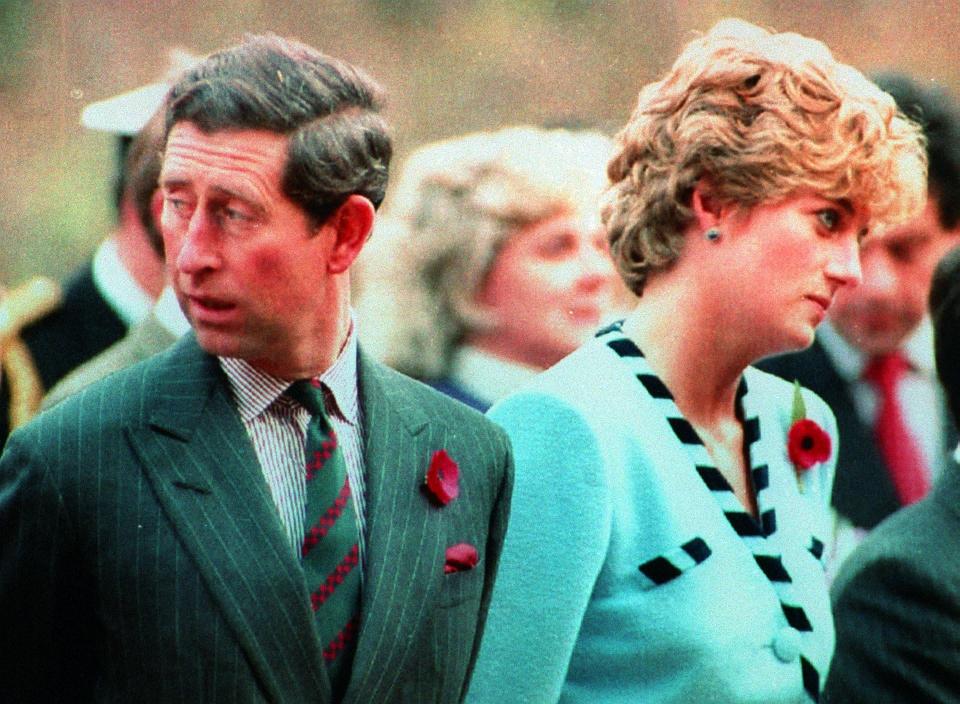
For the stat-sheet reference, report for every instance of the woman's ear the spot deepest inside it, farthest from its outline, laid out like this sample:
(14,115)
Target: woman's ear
(707,210)
(351,223)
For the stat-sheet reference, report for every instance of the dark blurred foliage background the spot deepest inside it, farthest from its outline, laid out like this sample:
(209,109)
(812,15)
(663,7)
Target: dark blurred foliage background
(449,66)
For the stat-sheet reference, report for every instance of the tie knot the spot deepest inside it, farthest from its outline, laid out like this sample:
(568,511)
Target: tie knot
(309,394)
(886,369)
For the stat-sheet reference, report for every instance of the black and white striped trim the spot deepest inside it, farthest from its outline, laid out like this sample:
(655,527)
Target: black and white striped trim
(667,567)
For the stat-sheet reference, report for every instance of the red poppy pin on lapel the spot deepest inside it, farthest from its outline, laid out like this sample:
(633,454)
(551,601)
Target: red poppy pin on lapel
(807,443)
(443,478)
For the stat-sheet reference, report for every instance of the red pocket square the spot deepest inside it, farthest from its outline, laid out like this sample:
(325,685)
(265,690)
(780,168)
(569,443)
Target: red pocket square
(460,557)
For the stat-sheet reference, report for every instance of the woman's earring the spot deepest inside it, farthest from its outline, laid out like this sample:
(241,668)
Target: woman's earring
(713,234)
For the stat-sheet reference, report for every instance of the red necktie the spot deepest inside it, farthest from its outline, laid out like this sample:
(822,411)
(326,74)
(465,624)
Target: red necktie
(897,446)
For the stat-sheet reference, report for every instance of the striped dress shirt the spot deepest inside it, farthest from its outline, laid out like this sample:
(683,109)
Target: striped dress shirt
(277,427)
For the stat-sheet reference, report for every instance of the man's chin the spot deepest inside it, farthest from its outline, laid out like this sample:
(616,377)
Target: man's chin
(877,336)
(877,341)
(872,346)
(218,343)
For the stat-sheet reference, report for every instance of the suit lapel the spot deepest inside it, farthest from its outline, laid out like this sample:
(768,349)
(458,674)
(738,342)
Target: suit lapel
(405,540)
(206,476)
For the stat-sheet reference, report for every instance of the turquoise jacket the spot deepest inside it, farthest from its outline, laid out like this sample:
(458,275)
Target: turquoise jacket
(603,487)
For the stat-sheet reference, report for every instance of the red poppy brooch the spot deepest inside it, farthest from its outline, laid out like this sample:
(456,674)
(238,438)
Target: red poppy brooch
(443,478)
(807,443)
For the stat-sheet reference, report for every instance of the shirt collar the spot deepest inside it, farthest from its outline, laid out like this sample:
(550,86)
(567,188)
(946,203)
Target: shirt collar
(850,362)
(255,390)
(919,348)
(119,289)
(486,377)
(168,313)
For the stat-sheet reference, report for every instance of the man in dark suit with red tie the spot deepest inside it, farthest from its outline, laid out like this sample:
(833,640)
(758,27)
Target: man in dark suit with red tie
(896,600)
(260,513)
(872,361)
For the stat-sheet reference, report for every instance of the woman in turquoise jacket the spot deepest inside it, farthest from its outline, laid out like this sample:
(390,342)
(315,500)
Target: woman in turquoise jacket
(670,516)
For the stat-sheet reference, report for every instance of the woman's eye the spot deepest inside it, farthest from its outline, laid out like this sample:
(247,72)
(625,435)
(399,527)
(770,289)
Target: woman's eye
(829,218)
(558,246)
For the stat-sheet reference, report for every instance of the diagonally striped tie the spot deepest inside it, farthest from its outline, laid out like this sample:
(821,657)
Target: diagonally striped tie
(329,552)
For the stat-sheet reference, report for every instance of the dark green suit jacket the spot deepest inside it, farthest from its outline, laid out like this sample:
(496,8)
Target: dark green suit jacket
(142,558)
(896,604)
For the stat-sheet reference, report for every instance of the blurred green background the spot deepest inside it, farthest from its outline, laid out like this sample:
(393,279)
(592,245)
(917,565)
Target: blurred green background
(449,66)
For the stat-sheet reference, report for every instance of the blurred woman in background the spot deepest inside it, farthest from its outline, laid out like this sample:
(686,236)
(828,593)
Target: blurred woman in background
(489,263)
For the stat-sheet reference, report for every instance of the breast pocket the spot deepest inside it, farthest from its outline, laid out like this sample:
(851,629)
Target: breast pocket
(462,587)
(669,565)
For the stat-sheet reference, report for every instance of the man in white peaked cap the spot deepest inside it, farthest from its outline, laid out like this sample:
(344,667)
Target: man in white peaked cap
(117,288)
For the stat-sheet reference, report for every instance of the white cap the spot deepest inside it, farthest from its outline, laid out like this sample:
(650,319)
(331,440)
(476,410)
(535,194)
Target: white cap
(127,113)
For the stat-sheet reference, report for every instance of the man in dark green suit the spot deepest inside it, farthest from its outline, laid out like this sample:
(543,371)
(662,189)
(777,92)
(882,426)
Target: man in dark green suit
(152,526)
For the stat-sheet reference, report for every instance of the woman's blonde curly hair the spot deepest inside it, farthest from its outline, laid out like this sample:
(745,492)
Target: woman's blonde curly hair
(759,116)
(450,210)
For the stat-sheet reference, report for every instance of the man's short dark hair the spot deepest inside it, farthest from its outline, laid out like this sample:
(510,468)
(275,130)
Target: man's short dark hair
(338,142)
(937,113)
(142,169)
(945,313)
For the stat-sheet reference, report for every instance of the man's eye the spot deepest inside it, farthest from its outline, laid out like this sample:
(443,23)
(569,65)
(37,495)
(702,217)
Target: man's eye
(903,252)
(176,205)
(829,218)
(235,215)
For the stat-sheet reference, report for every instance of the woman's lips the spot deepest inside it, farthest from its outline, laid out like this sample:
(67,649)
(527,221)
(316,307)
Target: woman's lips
(822,304)
(822,301)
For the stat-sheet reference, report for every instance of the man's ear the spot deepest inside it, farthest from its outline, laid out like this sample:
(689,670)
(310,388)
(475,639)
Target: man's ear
(351,224)
(156,207)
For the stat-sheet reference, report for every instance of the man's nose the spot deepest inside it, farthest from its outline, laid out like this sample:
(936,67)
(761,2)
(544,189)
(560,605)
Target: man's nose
(879,274)
(198,246)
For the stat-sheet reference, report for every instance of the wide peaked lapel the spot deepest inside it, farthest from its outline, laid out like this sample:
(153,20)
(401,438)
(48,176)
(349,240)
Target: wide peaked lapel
(205,473)
(405,541)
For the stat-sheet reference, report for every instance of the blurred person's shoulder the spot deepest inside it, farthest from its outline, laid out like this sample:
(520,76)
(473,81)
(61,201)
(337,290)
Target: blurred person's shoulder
(123,399)
(80,327)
